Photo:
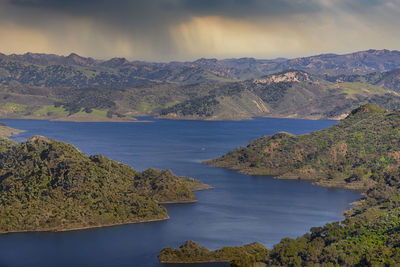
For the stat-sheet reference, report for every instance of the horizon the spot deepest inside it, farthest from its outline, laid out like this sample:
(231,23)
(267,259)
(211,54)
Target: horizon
(195,59)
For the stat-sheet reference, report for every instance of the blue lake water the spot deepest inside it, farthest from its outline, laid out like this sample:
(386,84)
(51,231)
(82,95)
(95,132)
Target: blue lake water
(240,209)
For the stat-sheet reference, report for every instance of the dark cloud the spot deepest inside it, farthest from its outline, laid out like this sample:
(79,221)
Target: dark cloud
(147,24)
(154,16)
(229,8)
(181,7)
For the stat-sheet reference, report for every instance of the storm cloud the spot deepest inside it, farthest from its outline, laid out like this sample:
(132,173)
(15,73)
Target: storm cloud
(162,30)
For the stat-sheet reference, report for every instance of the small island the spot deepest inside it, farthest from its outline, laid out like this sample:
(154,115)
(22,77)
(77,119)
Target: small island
(360,152)
(46,185)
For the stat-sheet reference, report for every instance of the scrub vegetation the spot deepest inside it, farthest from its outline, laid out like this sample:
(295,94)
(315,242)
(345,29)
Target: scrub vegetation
(362,151)
(46,185)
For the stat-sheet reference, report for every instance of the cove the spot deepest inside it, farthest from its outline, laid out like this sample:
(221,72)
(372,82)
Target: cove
(239,210)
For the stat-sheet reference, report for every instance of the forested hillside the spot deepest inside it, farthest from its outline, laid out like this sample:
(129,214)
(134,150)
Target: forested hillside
(49,185)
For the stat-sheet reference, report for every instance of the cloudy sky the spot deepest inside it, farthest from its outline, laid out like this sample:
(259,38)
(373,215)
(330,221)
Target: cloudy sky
(164,30)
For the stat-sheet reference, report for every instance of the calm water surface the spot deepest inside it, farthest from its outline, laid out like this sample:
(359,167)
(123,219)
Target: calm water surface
(241,209)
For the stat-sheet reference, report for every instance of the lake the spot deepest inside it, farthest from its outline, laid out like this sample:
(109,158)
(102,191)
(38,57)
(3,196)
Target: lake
(240,209)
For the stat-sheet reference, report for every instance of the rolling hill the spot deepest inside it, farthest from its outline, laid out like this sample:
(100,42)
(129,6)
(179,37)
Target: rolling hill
(42,86)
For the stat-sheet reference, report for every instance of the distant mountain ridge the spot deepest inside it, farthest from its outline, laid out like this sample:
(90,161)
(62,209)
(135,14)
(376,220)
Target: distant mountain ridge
(46,86)
(242,68)
(353,63)
(388,79)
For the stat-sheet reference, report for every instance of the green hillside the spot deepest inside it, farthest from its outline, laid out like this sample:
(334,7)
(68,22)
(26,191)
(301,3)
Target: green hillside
(191,252)
(361,151)
(353,153)
(294,94)
(50,185)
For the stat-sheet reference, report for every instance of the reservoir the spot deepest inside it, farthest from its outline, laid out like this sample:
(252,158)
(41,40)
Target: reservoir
(240,209)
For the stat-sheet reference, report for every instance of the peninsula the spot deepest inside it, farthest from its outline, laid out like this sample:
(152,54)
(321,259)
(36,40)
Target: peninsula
(362,152)
(6,131)
(46,185)
(353,153)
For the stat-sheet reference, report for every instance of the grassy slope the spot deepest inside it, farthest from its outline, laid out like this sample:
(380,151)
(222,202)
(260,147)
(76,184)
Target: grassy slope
(286,94)
(50,185)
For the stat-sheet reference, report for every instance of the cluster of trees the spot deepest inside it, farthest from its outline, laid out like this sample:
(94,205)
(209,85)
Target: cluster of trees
(191,252)
(369,236)
(74,100)
(50,185)
(201,107)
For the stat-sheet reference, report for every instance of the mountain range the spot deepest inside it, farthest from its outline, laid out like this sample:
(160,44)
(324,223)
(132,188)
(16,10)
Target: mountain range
(45,86)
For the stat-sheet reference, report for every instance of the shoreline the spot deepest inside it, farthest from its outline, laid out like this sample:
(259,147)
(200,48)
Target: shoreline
(193,262)
(71,119)
(84,227)
(249,118)
(317,182)
(7,132)
(345,213)
(112,224)
(211,119)
(179,202)
(359,190)
(107,225)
